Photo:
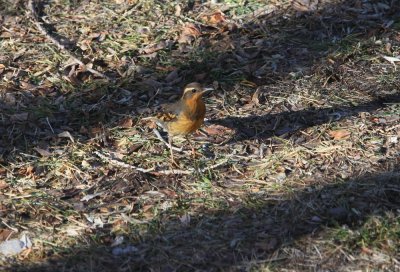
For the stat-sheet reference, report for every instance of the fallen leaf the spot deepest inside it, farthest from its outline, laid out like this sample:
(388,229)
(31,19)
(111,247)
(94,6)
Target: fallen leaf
(388,48)
(42,152)
(3,184)
(339,134)
(185,219)
(366,251)
(178,10)
(169,193)
(126,123)
(5,234)
(189,33)
(19,54)
(10,99)
(147,207)
(216,18)
(85,164)
(29,170)
(26,86)
(118,241)
(2,68)
(392,60)
(66,134)
(256,97)
(217,130)
(154,47)
(305,5)
(90,196)
(95,131)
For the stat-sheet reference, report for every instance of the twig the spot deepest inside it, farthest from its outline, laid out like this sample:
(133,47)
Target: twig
(48,122)
(154,171)
(122,164)
(195,21)
(213,166)
(173,172)
(190,171)
(47,34)
(11,228)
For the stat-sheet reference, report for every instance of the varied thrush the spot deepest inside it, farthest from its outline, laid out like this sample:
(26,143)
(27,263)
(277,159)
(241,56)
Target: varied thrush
(184,116)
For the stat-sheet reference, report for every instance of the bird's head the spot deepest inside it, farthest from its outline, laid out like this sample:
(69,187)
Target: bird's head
(194,91)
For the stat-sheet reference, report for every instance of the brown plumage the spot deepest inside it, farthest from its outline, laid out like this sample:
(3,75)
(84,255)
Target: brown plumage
(186,115)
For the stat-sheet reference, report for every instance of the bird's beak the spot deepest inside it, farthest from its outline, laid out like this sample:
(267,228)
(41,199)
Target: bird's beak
(206,90)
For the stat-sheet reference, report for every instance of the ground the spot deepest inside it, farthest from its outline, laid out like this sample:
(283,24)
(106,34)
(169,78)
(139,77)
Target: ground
(298,161)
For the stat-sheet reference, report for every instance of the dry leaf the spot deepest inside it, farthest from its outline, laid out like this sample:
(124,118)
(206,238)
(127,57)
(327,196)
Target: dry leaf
(42,152)
(217,130)
(388,49)
(185,219)
(10,99)
(392,60)
(26,86)
(2,68)
(3,184)
(95,131)
(151,124)
(66,134)
(5,234)
(90,196)
(339,134)
(305,5)
(154,47)
(178,10)
(169,193)
(256,97)
(126,123)
(85,164)
(189,33)
(366,250)
(214,19)
(29,170)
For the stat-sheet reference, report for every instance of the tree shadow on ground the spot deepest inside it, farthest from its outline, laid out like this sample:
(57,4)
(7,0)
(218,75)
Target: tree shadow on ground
(249,234)
(262,127)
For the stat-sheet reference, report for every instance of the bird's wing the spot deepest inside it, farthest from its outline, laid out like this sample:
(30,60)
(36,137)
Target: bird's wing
(169,112)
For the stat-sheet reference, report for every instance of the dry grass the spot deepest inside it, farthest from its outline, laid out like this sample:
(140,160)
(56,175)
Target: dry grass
(299,164)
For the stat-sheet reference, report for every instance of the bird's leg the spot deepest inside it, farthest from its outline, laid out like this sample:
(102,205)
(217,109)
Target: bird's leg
(173,162)
(191,146)
(157,133)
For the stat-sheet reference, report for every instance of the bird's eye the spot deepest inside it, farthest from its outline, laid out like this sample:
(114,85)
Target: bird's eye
(193,90)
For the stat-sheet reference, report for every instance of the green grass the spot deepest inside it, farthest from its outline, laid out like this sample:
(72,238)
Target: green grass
(378,233)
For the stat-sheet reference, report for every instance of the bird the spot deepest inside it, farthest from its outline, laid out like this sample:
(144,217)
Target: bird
(184,116)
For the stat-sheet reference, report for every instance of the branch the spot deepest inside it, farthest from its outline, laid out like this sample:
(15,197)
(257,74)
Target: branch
(153,169)
(38,22)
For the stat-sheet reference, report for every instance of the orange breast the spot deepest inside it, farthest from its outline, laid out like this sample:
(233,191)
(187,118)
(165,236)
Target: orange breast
(189,120)
(184,126)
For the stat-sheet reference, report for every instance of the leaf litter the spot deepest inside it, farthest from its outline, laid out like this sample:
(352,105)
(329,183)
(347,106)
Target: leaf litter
(305,107)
